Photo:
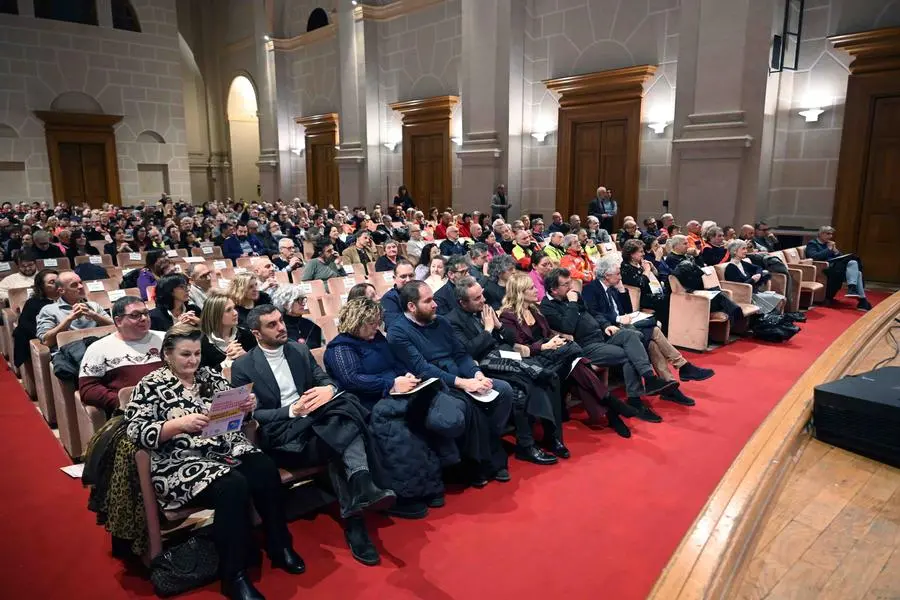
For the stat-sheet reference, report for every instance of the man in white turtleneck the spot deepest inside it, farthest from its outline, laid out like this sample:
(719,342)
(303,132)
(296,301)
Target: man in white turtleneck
(305,422)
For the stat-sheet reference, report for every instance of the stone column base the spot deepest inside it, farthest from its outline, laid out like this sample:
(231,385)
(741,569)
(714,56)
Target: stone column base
(352,176)
(480,175)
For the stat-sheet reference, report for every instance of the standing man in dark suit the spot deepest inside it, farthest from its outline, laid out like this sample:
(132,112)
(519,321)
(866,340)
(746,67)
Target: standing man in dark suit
(604,208)
(304,423)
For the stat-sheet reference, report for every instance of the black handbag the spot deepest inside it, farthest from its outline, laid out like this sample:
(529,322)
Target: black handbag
(184,567)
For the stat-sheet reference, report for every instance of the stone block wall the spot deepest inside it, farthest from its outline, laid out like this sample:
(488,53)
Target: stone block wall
(137,75)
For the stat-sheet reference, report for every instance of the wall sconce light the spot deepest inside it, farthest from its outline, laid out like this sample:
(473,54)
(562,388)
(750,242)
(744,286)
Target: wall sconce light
(354,2)
(266,38)
(456,140)
(391,146)
(658,127)
(540,136)
(811,114)
(298,151)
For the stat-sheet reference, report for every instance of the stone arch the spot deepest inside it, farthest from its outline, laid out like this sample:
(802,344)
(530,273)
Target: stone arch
(317,18)
(7,131)
(76,102)
(124,16)
(242,106)
(150,137)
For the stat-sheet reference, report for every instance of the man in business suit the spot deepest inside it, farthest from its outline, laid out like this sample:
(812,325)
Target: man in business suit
(305,423)
(604,208)
(604,343)
(607,299)
(457,268)
(478,329)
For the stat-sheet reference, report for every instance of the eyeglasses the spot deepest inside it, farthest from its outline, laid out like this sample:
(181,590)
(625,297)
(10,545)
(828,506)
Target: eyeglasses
(137,315)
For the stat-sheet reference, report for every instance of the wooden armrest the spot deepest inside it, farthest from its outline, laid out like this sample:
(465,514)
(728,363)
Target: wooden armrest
(742,293)
(727,292)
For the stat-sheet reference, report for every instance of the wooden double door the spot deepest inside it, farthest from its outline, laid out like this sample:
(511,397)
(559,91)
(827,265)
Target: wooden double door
(880,211)
(83,171)
(430,156)
(323,179)
(598,158)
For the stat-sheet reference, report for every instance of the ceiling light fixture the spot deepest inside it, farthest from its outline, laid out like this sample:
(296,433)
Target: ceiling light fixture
(540,136)
(811,114)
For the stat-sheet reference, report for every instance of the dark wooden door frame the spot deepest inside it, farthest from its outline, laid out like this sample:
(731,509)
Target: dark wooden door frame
(874,73)
(430,116)
(81,128)
(605,96)
(320,130)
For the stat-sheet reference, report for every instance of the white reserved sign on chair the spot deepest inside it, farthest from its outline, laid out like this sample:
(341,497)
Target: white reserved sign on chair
(95,260)
(94,286)
(51,262)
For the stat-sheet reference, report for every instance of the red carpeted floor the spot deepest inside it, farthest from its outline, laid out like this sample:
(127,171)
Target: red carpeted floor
(602,524)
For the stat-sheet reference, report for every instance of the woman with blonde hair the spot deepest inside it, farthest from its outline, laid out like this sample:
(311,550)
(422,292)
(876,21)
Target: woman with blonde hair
(519,313)
(361,362)
(244,292)
(223,341)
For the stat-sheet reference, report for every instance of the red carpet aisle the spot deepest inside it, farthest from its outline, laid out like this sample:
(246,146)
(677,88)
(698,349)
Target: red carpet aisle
(604,523)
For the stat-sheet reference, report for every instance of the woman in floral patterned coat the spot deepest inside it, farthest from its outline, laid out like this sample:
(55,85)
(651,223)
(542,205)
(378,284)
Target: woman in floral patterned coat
(166,416)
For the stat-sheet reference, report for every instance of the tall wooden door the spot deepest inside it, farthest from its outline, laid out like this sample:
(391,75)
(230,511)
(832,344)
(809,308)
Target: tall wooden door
(880,218)
(429,155)
(598,158)
(325,181)
(84,177)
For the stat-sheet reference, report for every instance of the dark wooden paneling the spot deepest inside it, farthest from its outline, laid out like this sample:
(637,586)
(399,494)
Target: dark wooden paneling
(93,164)
(71,172)
(322,176)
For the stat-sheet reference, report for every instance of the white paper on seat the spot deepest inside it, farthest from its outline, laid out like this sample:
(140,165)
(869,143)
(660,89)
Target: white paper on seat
(510,354)
(344,298)
(219,264)
(95,260)
(488,396)
(73,471)
(349,282)
(574,363)
(114,295)
(639,316)
(708,270)
(389,278)
(94,286)
(172,253)
(349,269)
(51,262)
(306,288)
(224,283)
(134,256)
(707,293)
(194,259)
(206,250)
(4,266)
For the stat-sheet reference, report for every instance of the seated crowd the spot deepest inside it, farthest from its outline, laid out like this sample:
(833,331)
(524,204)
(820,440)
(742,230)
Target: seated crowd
(482,326)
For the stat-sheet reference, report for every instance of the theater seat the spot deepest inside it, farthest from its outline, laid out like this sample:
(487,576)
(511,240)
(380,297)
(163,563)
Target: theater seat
(68,406)
(741,294)
(815,274)
(691,322)
(805,275)
(40,364)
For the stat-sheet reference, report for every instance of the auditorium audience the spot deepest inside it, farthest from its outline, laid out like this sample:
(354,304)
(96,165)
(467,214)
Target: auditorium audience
(445,296)
(45,292)
(500,269)
(223,341)
(72,310)
(23,278)
(576,259)
(714,250)
(362,252)
(287,259)
(740,270)
(42,248)
(437,273)
(224,472)
(388,261)
(201,282)
(841,268)
(156,265)
(290,300)
(429,253)
(424,344)
(121,359)
(325,265)
(305,423)
(173,304)
(639,272)
(244,292)
(390,300)
(363,290)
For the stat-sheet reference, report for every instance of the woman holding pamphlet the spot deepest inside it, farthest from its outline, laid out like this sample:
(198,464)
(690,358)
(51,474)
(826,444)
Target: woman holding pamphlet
(412,420)
(169,416)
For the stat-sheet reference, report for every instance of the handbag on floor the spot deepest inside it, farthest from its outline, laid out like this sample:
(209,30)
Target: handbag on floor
(184,567)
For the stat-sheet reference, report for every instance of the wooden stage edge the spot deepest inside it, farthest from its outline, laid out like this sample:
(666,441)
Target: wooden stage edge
(715,548)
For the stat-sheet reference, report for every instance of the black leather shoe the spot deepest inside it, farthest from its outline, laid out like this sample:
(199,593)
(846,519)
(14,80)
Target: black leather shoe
(408,509)
(288,560)
(793,329)
(502,475)
(852,292)
(365,495)
(535,455)
(677,397)
(240,588)
(618,425)
(559,449)
(436,501)
(653,385)
(797,317)
(863,305)
(479,481)
(644,411)
(617,406)
(359,542)
(689,372)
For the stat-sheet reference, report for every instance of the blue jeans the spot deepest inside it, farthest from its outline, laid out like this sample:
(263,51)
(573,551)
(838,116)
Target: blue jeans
(854,277)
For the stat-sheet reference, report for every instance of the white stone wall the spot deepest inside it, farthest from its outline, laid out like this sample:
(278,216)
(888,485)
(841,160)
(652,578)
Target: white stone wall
(576,37)
(418,57)
(804,170)
(137,75)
